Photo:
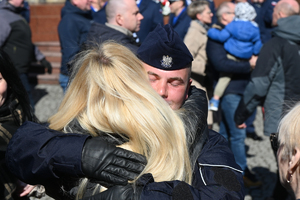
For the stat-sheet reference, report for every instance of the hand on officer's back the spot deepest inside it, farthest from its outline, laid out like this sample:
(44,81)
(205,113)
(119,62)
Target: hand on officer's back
(110,165)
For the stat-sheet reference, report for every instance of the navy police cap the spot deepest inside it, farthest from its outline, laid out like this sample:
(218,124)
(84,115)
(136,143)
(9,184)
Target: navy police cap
(164,49)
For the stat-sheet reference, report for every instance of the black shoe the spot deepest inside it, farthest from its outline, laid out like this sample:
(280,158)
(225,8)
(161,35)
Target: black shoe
(250,181)
(254,136)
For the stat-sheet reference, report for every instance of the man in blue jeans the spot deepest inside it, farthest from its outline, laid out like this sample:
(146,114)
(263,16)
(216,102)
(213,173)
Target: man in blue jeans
(218,63)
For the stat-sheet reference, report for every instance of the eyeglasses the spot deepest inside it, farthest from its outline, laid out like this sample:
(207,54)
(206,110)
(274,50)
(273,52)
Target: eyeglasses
(230,13)
(274,142)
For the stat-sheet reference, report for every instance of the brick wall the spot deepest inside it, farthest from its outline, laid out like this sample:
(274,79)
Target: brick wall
(44,19)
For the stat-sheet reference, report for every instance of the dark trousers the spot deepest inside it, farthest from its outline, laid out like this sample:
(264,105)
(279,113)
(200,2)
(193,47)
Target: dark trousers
(27,86)
(249,122)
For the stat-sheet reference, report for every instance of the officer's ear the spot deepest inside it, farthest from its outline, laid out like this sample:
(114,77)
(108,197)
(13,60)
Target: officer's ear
(188,88)
(119,19)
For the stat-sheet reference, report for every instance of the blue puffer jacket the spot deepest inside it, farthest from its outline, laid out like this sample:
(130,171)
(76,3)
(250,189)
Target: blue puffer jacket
(240,38)
(218,62)
(72,30)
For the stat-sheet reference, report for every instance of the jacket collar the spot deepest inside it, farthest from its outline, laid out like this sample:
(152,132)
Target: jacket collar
(5,5)
(120,29)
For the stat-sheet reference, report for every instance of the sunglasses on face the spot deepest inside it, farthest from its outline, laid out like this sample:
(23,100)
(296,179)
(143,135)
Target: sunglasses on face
(274,142)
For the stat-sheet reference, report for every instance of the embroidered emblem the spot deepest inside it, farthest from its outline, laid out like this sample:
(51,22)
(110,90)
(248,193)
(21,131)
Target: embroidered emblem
(166,62)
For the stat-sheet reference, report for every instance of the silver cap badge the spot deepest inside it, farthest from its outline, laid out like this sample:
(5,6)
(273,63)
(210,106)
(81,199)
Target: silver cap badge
(166,62)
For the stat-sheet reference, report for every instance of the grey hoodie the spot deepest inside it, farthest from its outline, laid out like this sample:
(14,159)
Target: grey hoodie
(15,38)
(275,79)
(288,28)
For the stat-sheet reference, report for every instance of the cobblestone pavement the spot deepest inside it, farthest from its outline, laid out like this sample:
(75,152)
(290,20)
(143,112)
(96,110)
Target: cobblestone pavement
(260,157)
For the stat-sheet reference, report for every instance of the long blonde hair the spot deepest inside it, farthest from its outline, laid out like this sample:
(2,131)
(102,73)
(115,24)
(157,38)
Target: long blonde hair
(110,93)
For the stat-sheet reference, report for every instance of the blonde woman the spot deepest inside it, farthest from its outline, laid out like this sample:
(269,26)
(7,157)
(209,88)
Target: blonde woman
(288,154)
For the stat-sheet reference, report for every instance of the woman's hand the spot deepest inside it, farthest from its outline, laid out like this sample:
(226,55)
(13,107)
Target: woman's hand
(25,189)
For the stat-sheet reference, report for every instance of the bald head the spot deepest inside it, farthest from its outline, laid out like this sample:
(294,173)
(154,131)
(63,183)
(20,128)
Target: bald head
(113,8)
(225,12)
(124,13)
(285,8)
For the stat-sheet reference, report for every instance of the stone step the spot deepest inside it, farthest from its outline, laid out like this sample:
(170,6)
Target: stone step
(49,48)
(38,74)
(48,79)
(36,78)
(52,56)
(48,43)
(38,68)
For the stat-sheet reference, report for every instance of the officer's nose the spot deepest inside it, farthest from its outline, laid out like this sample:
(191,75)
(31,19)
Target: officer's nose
(162,89)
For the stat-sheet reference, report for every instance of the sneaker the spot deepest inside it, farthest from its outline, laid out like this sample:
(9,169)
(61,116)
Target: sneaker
(213,104)
(250,181)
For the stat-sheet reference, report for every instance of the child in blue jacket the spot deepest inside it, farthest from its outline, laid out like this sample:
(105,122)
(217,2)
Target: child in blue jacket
(241,40)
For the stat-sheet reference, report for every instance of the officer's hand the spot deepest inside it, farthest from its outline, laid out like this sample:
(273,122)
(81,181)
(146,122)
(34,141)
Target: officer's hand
(110,165)
(119,192)
(47,65)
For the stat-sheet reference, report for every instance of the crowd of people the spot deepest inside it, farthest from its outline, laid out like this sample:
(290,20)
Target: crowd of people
(141,98)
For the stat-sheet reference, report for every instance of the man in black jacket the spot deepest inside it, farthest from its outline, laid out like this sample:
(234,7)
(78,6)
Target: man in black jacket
(123,19)
(274,81)
(15,40)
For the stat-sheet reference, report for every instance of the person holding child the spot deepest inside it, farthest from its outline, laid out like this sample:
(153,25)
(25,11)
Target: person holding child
(241,40)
